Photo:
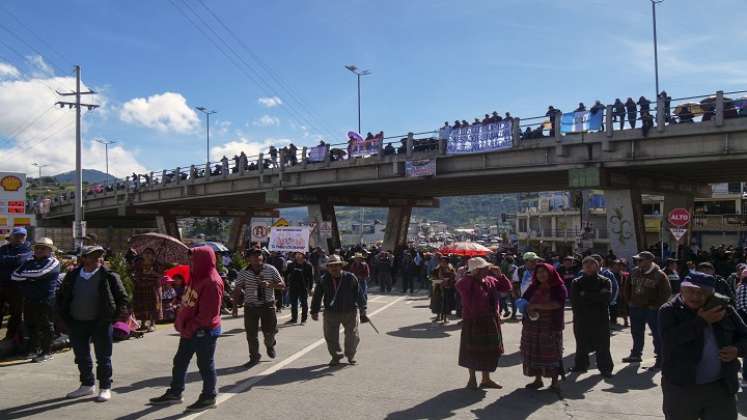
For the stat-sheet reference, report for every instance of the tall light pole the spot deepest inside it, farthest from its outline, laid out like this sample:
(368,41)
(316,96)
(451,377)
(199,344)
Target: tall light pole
(358,73)
(39,166)
(106,144)
(207,125)
(656,46)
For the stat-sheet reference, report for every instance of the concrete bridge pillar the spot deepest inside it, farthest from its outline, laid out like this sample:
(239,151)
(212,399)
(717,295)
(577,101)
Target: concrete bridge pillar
(625,222)
(168,226)
(324,212)
(397,222)
(236,238)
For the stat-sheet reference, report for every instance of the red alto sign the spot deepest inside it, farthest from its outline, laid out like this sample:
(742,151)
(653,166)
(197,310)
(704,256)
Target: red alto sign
(679,217)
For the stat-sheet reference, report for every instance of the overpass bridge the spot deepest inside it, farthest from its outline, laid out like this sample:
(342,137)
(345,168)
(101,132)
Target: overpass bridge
(674,160)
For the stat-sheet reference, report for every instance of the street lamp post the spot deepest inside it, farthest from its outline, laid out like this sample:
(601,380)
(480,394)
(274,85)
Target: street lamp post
(106,144)
(656,46)
(358,73)
(39,166)
(207,125)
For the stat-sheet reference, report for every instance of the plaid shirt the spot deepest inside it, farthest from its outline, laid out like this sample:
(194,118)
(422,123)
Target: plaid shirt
(742,297)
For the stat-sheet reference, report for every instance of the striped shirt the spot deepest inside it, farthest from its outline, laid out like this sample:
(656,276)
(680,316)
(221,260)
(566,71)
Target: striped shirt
(248,281)
(742,297)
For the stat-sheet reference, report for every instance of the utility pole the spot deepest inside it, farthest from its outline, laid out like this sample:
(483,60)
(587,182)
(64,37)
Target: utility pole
(656,46)
(353,68)
(39,166)
(79,224)
(106,144)
(207,124)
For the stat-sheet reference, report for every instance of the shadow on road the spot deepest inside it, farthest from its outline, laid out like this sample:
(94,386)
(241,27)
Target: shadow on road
(164,381)
(442,406)
(39,407)
(289,375)
(628,378)
(425,330)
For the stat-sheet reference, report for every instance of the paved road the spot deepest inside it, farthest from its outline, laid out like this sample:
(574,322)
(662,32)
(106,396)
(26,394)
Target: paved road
(407,372)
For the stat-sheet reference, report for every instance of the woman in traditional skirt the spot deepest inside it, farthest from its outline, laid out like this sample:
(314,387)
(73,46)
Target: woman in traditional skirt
(146,301)
(481,343)
(443,299)
(542,328)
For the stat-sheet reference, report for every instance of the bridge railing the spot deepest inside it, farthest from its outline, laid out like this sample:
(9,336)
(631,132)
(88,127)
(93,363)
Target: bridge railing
(684,110)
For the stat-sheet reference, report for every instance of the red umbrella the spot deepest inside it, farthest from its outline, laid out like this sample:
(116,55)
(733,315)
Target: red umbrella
(179,270)
(465,249)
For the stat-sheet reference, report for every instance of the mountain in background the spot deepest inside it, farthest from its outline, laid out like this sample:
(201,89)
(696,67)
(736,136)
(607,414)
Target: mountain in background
(90,176)
(456,211)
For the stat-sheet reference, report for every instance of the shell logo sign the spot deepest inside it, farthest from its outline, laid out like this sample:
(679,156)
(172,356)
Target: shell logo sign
(11,183)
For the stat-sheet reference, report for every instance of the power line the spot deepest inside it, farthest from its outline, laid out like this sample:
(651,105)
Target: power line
(23,127)
(38,38)
(18,37)
(273,74)
(261,83)
(31,146)
(23,58)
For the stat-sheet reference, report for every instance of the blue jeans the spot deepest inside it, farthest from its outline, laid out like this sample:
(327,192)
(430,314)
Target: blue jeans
(639,318)
(205,348)
(363,285)
(82,333)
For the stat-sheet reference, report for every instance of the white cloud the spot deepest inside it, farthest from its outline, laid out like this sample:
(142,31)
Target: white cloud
(266,121)
(269,101)
(40,67)
(250,147)
(8,71)
(32,132)
(166,112)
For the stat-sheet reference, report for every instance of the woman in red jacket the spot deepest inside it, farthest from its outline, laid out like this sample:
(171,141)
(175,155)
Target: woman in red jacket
(198,323)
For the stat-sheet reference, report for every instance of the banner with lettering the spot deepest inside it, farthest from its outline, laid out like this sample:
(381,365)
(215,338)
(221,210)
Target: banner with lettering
(480,138)
(317,153)
(415,168)
(360,147)
(289,239)
(581,121)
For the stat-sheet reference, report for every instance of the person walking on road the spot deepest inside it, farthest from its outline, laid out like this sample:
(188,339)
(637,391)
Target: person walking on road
(257,282)
(542,329)
(37,279)
(700,349)
(199,325)
(590,297)
(647,289)
(89,300)
(12,255)
(299,277)
(360,269)
(384,268)
(481,342)
(341,295)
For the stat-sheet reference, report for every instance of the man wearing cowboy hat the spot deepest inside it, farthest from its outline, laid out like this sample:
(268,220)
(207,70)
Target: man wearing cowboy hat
(37,279)
(360,269)
(342,298)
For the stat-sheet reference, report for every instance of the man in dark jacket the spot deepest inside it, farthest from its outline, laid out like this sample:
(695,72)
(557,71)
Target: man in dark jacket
(700,346)
(632,111)
(342,298)
(12,255)
(590,298)
(647,289)
(37,279)
(90,299)
(299,277)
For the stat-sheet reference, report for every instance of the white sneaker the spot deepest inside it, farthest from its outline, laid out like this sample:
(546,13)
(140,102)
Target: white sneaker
(743,383)
(104,395)
(83,391)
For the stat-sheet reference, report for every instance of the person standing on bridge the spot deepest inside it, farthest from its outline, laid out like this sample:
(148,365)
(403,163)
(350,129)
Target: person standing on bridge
(618,112)
(341,295)
(199,325)
(257,282)
(631,109)
(89,300)
(481,342)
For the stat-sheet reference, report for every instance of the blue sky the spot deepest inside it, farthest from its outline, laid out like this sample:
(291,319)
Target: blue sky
(431,61)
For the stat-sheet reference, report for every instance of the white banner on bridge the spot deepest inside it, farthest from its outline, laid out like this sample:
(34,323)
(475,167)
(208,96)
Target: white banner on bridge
(289,239)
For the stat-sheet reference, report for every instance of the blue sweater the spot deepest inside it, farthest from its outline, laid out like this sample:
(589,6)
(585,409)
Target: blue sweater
(38,279)
(11,257)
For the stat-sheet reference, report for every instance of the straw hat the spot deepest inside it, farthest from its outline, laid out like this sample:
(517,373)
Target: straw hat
(334,259)
(45,243)
(476,263)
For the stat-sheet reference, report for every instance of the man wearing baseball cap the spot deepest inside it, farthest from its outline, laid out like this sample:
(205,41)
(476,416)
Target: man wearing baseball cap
(37,279)
(700,346)
(647,289)
(12,255)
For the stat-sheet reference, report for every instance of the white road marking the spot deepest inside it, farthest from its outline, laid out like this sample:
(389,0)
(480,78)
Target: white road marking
(245,385)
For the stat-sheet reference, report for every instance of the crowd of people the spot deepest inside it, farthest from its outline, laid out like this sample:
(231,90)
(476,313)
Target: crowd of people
(693,308)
